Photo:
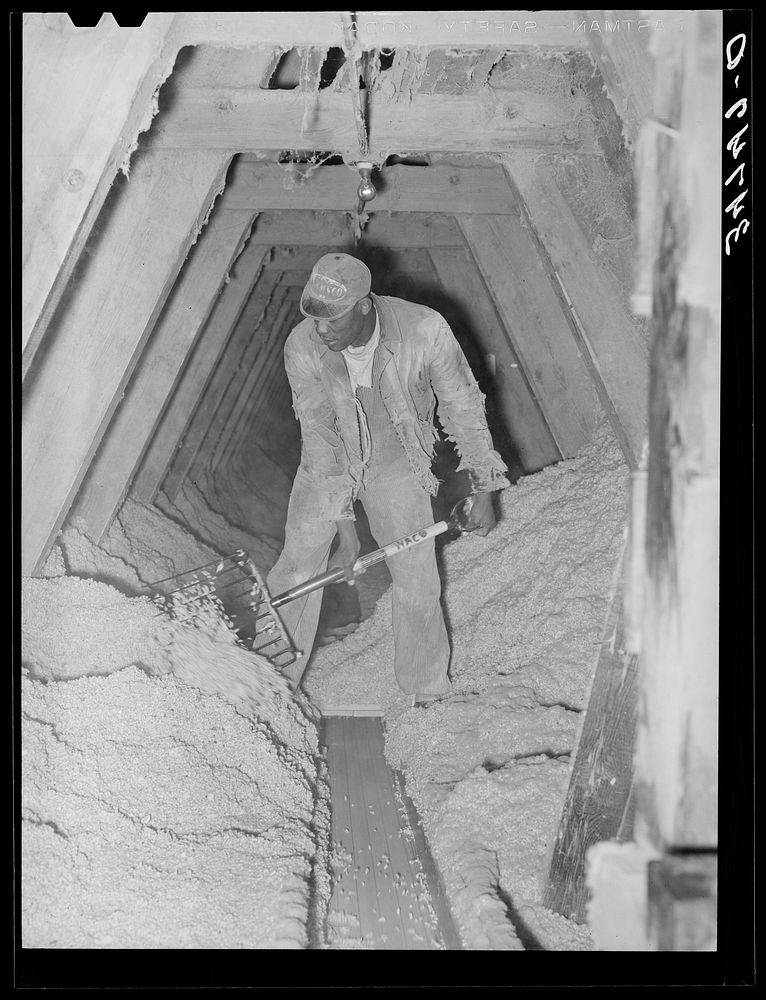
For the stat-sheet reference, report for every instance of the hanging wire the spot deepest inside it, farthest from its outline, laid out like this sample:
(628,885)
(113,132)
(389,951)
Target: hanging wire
(353,51)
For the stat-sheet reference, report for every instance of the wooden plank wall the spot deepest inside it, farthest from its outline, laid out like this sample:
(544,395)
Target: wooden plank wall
(533,441)
(86,96)
(146,234)
(598,805)
(174,337)
(605,333)
(542,339)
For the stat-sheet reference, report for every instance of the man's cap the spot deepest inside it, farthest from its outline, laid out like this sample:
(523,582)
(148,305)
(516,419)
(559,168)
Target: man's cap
(337,282)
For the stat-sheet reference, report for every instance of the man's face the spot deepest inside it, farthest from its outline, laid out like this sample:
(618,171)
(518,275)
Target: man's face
(346,331)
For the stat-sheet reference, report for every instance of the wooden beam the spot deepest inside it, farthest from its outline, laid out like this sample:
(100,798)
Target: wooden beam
(608,338)
(376,29)
(489,121)
(249,297)
(598,802)
(401,188)
(259,374)
(524,420)
(626,63)
(86,97)
(410,260)
(683,902)
(148,228)
(266,299)
(157,372)
(678,759)
(332,231)
(531,311)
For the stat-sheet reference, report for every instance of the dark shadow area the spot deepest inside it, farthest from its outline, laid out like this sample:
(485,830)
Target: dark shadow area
(286,74)
(523,932)
(334,62)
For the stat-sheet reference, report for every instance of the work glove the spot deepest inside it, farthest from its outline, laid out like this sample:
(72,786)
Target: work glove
(348,550)
(482,517)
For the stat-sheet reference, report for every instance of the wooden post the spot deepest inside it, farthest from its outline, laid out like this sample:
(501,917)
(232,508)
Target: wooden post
(157,372)
(682,911)
(677,751)
(147,228)
(197,388)
(627,69)
(531,311)
(678,284)
(521,413)
(606,334)
(86,96)
(598,805)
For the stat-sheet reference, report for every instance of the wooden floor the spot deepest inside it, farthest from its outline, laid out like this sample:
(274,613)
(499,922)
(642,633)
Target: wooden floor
(386,890)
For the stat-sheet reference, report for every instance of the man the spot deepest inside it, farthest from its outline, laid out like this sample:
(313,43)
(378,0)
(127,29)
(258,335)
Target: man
(366,372)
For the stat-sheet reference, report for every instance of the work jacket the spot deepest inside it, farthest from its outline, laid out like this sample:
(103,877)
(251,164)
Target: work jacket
(422,364)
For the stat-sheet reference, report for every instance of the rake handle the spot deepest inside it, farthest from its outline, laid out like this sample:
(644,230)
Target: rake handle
(362,564)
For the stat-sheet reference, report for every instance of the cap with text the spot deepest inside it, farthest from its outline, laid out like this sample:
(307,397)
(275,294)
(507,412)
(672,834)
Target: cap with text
(337,282)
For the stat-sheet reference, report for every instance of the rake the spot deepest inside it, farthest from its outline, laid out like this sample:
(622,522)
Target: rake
(236,590)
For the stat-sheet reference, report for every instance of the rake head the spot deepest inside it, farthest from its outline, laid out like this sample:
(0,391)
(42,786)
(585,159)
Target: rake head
(232,590)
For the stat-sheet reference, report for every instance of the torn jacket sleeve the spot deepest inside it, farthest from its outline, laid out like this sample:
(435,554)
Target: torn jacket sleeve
(462,414)
(323,456)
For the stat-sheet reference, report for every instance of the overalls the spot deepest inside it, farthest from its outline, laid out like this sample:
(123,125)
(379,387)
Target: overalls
(396,504)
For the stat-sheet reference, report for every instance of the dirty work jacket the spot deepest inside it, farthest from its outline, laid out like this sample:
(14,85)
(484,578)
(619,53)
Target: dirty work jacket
(422,364)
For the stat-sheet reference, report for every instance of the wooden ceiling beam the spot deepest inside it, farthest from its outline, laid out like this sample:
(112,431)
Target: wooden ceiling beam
(252,120)
(332,230)
(295,260)
(418,29)
(401,188)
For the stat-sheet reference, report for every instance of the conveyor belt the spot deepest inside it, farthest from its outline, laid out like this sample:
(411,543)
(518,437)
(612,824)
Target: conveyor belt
(386,890)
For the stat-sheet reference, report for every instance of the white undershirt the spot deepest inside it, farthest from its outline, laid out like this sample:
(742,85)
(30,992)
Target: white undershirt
(359,365)
(359,359)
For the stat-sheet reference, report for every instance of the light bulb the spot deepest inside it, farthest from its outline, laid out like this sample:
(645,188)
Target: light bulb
(366,190)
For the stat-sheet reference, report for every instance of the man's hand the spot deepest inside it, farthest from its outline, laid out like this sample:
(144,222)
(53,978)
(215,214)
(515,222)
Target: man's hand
(483,513)
(348,551)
